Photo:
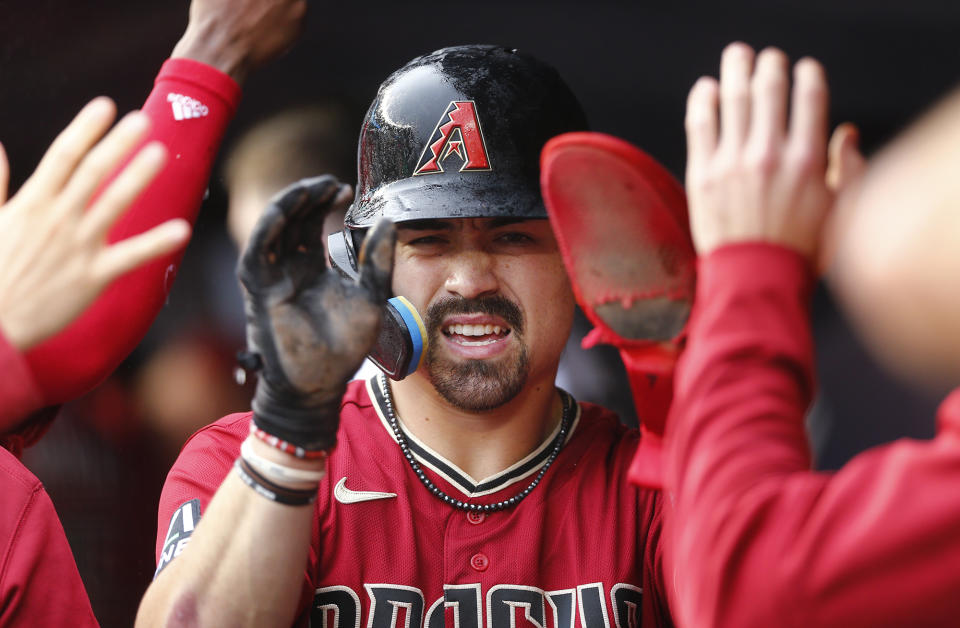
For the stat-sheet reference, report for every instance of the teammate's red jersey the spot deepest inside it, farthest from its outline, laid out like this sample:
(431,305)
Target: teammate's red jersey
(39,582)
(760,539)
(582,549)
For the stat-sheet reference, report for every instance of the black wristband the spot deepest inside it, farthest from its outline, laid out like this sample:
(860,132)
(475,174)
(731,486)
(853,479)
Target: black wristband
(273,492)
(307,423)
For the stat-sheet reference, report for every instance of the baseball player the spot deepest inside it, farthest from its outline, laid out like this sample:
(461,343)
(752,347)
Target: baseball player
(759,539)
(469,491)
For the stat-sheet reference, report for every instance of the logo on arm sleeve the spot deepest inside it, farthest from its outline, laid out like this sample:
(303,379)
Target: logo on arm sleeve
(182,524)
(184,107)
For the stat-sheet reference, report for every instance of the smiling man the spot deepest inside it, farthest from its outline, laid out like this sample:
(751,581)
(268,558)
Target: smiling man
(471,492)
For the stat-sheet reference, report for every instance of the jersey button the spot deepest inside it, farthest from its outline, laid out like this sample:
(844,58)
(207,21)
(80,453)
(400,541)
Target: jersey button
(476,518)
(479,561)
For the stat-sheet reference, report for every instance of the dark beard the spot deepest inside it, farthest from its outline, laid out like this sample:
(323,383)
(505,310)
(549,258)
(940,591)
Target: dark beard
(476,385)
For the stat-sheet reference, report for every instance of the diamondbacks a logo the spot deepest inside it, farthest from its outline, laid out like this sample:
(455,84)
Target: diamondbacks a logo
(457,131)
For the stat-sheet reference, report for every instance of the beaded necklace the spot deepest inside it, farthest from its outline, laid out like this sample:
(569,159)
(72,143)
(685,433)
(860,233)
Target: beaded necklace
(558,442)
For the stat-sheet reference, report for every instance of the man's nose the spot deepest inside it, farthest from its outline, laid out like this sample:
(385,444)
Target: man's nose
(471,275)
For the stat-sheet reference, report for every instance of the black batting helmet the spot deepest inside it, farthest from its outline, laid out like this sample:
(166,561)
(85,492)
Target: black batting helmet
(457,133)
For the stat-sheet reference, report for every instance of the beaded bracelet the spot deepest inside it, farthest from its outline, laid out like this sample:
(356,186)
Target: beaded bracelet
(284,446)
(273,492)
(274,471)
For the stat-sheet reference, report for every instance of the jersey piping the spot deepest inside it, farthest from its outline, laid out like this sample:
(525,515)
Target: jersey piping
(458,478)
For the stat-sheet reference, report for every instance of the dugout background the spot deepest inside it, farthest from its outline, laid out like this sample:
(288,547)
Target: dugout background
(631,63)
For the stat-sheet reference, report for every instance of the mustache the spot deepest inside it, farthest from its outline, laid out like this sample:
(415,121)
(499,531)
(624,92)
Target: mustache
(496,305)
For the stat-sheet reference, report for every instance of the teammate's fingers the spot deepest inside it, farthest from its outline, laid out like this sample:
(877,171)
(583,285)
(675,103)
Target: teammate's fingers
(70,147)
(4,175)
(376,260)
(701,121)
(103,160)
(126,255)
(809,105)
(768,112)
(845,163)
(736,65)
(122,191)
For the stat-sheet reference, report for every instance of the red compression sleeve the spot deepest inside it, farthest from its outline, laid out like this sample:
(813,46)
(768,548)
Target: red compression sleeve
(756,537)
(189,107)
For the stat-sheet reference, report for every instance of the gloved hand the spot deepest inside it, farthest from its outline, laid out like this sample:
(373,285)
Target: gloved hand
(310,328)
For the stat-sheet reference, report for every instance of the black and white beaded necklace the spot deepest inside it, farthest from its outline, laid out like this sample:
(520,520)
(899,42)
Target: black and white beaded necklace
(561,437)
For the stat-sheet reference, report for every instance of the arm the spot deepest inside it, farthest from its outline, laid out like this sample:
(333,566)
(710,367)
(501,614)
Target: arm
(55,258)
(307,331)
(759,539)
(245,562)
(194,98)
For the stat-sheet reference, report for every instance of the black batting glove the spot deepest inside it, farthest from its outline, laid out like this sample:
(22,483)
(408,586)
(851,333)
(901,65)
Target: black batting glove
(309,327)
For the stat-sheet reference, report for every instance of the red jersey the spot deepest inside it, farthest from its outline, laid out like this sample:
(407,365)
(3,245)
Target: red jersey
(39,581)
(581,550)
(760,539)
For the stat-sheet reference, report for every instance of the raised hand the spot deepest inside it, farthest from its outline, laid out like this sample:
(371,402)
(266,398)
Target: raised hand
(239,36)
(310,327)
(752,173)
(54,256)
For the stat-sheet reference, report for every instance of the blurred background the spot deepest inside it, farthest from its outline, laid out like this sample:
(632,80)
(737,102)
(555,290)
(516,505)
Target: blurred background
(631,63)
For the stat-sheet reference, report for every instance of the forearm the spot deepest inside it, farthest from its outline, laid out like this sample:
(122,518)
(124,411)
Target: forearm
(758,538)
(189,107)
(736,432)
(244,565)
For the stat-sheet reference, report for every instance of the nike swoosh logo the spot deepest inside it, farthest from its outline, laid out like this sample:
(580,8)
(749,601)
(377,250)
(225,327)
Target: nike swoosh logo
(346,496)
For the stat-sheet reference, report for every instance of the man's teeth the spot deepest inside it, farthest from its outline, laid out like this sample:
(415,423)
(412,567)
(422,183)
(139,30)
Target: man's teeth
(476,330)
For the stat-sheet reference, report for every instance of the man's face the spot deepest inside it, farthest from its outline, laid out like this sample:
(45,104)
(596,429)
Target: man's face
(496,301)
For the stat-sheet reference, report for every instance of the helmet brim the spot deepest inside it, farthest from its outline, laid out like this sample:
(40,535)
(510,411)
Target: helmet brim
(480,195)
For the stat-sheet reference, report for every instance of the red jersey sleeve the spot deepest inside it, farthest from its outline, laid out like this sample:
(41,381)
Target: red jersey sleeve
(39,581)
(19,395)
(203,464)
(758,539)
(189,107)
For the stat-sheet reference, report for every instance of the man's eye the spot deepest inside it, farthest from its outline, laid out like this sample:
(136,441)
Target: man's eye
(514,237)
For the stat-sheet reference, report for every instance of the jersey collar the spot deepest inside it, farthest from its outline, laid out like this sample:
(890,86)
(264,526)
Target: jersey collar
(455,476)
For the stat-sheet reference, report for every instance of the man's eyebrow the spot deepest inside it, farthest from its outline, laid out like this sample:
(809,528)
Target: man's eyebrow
(426,225)
(496,223)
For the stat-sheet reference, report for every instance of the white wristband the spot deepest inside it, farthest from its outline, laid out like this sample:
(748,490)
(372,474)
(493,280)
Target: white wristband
(275,471)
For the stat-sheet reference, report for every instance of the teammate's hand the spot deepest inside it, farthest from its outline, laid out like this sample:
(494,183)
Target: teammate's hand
(54,257)
(310,327)
(239,36)
(752,174)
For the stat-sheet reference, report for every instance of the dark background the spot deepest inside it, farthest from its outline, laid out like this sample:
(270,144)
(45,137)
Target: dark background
(631,63)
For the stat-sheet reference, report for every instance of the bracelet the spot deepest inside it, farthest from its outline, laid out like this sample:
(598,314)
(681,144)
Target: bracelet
(275,471)
(284,446)
(273,492)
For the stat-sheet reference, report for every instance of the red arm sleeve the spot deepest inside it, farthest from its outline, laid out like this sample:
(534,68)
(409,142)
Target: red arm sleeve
(190,106)
(756,538)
